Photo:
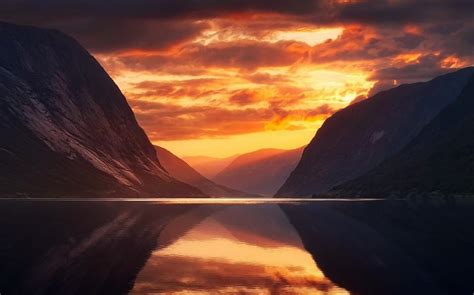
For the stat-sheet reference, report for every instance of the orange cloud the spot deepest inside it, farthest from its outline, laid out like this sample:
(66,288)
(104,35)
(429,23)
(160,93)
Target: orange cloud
(214,69)
(175,122)
(249,73)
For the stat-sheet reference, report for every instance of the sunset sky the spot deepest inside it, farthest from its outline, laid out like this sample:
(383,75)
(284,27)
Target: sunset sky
(224,77)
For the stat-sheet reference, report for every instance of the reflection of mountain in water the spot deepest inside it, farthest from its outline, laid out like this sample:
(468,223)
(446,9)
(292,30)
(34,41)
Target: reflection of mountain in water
(77,247)
(390,247)
(380,247)
(251,249)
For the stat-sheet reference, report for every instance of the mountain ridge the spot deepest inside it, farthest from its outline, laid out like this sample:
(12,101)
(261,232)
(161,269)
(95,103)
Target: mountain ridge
(261,172)
(362,135)
(438,161)
(182,171)
(66,128)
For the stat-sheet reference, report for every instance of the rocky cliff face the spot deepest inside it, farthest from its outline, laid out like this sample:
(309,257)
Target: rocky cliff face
(65,127)
(361,136)
(440,160)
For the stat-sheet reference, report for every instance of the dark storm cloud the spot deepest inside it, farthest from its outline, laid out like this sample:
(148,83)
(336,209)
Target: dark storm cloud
(130,34)
(426,68)
(405,11)
(59,9)
(156,24)
(320,10)
(458,39)
(242,54)
(245,55)
(409,41)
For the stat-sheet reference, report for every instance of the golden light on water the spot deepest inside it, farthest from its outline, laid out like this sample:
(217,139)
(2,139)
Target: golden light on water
(229,258)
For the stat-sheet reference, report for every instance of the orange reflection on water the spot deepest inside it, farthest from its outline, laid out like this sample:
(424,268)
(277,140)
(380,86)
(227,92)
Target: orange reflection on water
(220,255)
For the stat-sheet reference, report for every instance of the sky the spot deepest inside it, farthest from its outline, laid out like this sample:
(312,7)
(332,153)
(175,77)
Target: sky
(224,77)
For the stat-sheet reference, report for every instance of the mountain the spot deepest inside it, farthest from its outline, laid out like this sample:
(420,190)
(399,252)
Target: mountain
(65,127)
(208,166)
(260,172)
(361,136)
(181,171)
(440,160)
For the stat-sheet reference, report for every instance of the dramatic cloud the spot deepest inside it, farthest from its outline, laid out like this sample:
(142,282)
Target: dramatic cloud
(209,69)
(319,10)
(130,34)
(208,121)
(243,97)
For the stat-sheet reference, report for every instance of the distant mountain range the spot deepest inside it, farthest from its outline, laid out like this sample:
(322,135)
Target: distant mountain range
(65,127)
(439,161)
(182,171)
(261,172)
(209,166)
(362,136)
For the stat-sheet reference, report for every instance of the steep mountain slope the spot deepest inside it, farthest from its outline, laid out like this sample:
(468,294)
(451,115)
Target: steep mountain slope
(180,170)
(359,137)
(439,160)
(208,166)
(65,127)
(260,172)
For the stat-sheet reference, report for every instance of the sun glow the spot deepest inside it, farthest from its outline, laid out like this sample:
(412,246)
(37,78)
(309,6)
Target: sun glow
(282,107)
(311,37)
(227,146)
(234,88)
(218,252)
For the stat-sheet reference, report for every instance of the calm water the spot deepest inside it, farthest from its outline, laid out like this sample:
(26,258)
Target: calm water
(236,247)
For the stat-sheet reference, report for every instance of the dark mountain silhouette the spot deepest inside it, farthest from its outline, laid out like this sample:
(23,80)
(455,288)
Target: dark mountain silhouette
(209,166)
(390,247)
(181,171)
(65,127)
(260,172)
(438,161)
(361,136)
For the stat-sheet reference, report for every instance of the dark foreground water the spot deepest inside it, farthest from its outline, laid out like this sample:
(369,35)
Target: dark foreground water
(250,247)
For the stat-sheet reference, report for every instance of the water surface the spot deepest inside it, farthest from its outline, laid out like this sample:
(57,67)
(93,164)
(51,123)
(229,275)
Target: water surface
(233,246)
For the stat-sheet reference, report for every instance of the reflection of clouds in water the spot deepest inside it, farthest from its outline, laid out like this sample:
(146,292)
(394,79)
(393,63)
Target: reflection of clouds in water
(238,249)
(178,274)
